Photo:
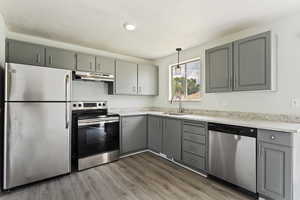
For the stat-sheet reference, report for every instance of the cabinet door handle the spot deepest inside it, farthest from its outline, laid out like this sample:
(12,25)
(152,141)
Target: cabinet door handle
(235,81)
(50,60)
(38,58)
(273,137)
(260,153)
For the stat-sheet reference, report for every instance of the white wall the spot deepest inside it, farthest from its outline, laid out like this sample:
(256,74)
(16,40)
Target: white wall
(287,31)
(92,91)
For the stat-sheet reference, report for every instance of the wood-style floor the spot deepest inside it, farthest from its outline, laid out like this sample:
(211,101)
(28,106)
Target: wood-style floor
(140,177)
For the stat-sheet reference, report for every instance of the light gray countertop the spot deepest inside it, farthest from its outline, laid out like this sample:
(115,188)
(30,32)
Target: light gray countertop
(260,124)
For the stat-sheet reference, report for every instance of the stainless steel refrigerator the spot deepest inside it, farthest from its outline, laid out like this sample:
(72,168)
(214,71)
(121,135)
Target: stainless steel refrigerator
(37,124)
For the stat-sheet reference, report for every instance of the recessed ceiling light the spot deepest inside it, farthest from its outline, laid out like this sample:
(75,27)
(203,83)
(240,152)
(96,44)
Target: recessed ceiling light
(129,27)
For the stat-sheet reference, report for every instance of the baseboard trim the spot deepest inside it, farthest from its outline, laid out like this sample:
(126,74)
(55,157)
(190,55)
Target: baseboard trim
(131,154)
(165,157)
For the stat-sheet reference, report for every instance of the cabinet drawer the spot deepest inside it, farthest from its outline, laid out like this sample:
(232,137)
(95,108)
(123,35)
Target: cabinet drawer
(195,148)
(275,137)
(191,128)
(193,161)
(194,137)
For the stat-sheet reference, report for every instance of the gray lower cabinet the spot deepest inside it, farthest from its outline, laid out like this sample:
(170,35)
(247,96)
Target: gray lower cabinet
(218,69)
(133,134)
(194,145)
(172,138)
(24,53)
(60,58)
(252,63)
(105,65)
(274,172)
(147,79)
(85,62)
(126,78)
(155,133)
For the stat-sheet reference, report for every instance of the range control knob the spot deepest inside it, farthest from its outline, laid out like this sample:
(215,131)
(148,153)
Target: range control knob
(79,105)
(74,105)
(104,104)
(99,104)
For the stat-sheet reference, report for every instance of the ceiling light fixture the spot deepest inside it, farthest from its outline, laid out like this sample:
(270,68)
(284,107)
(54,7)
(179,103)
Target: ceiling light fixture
(129,27)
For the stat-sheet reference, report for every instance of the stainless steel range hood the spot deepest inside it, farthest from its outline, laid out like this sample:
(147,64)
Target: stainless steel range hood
(94,76)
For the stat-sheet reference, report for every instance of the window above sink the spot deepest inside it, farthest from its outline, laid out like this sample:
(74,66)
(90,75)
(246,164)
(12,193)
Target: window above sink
(185,82)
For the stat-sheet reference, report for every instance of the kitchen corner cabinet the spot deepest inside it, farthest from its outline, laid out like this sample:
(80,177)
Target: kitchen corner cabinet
(218,70)
(133,134)
(243,65)
(274,175)
(85,62)
(172,138)
(147,79)
(105,65)
(60,58)
(252,63)
(155,133)
(24,53)
(126,78)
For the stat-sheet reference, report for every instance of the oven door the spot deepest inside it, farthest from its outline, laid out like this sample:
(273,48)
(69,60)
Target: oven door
(97,135)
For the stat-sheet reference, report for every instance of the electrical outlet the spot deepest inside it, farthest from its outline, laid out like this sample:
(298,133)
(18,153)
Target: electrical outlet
(295,102)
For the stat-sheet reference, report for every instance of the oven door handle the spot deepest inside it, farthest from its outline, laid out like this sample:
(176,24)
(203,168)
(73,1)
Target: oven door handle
(80,124)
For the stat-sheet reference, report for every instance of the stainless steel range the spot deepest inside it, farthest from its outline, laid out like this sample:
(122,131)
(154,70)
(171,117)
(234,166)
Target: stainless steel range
(95,135)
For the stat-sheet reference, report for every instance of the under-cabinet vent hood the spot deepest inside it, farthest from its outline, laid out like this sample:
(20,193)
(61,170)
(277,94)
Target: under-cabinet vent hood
(93,76)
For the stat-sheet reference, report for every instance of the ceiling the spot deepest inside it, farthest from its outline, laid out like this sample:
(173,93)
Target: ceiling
(162,25)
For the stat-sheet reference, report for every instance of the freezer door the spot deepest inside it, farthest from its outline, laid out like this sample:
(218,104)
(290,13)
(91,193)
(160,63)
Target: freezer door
(34,83)
(36,142)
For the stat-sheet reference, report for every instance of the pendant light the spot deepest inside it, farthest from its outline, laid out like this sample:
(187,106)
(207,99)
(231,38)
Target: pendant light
(178,68)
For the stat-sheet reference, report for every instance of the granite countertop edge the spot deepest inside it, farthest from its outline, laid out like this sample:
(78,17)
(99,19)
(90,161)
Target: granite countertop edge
(259,124)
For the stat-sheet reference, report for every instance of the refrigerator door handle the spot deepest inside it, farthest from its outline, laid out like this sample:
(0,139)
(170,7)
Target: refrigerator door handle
(6,148)
(66,99)
(8,82)
(66,87)
(66,115)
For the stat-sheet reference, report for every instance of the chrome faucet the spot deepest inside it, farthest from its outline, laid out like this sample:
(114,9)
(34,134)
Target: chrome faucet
(180,108)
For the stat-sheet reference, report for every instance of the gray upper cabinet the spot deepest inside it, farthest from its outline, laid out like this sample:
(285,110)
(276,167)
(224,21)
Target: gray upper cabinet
(147,79)
(172,138)
(134,134)
(275,171)
(252,63)
(126,78)
(244,65)
(85,62)
(218,71)
(105,65)
(155,133)
(25,53)
(60,58)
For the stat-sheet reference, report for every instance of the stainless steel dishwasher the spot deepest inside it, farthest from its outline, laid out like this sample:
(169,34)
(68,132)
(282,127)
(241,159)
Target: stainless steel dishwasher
(232,154)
